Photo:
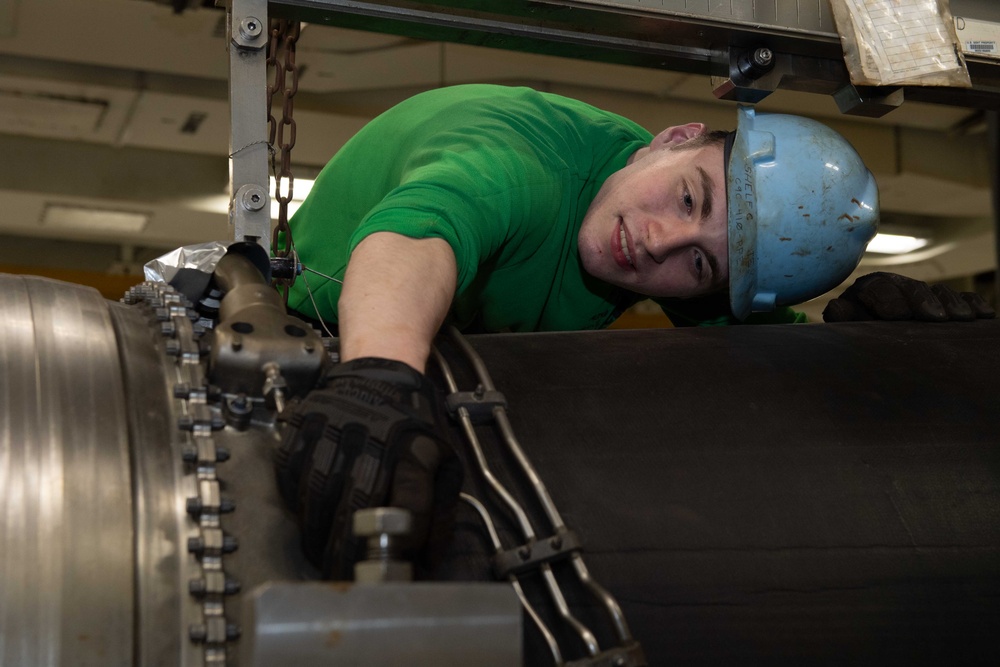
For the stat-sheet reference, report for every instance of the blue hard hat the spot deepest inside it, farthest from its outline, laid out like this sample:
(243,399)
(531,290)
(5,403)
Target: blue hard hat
(802,209)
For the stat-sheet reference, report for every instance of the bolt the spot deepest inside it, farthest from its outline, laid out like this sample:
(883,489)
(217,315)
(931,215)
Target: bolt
(755,64)
(479,392)
(232,587)
(229,544)
(197,587)
(556,543)
(233,632)
(374,521)
(253,197)
(226,506)
(524,553)
(763,56)
(173,347)
(250,27)
(196,545)
(193,506)
(189,455)
(182,390)
(221,454)
(197,632)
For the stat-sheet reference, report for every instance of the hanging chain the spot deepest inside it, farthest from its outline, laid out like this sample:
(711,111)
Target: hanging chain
(281,135)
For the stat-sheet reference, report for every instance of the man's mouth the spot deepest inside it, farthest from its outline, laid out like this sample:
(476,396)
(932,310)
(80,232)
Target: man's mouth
(623,241)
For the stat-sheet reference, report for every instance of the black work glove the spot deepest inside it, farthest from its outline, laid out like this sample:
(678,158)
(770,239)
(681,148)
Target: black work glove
(890,296)
(375,435)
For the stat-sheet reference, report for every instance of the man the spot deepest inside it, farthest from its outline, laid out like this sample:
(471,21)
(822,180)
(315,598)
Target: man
(510,209)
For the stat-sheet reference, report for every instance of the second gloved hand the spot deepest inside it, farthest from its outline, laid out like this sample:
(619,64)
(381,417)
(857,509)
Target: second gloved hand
(375,436)
(890,296)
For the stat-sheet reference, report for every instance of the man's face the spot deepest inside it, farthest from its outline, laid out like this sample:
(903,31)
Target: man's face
(658,226)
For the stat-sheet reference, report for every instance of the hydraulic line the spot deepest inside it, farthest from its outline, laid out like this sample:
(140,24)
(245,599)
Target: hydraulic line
(470,434)
(497,546)
(586,636)
(500,415)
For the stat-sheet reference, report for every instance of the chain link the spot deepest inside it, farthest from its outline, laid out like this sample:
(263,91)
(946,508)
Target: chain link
(281,135)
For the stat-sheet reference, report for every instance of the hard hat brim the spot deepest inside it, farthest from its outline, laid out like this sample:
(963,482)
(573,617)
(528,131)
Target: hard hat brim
(742,213)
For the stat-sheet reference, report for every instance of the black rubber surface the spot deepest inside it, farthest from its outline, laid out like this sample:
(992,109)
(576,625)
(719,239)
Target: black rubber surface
(807,494)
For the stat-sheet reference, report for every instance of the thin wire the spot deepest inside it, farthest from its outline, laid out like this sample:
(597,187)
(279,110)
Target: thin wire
(322,275)
(270,148)
(309,292)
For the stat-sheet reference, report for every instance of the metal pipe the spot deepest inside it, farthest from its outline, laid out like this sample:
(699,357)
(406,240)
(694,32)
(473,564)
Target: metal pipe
(500,415)
(495,539)
(507,431)
(470,434)
(585,634)
(598,591)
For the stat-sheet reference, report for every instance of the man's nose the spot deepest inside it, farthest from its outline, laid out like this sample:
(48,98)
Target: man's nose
(664,236)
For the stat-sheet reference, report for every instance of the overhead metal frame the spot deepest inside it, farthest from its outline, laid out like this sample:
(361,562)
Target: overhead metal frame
(804,59)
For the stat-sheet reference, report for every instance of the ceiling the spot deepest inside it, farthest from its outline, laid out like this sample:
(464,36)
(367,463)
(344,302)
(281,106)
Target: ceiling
(123,105)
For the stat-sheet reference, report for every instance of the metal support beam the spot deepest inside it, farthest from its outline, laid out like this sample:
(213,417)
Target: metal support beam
(808,57)
(249,208)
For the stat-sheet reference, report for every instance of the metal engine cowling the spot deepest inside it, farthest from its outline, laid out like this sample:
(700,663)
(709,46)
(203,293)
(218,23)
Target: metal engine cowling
(751,495)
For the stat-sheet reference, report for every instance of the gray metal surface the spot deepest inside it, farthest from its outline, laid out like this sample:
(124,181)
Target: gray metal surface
(250,210)
(750,495)
(699,39)
(66,562)
(163,609)
(383,625)
(805,15)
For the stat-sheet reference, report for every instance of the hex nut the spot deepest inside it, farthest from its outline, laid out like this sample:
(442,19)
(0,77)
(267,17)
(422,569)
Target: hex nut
(382,521)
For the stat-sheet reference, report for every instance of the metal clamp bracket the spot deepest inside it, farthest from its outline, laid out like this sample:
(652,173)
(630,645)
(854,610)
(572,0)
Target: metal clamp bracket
(479,403)
(529,556)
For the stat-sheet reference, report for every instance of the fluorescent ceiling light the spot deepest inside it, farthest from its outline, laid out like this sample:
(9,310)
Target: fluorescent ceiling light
(59,216)
(300,188)
(895,244)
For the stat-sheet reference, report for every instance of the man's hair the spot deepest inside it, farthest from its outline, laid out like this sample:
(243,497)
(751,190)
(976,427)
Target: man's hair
(713,137)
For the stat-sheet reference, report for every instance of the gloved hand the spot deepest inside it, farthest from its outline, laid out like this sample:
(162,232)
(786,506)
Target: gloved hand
(374,436)
(890,296)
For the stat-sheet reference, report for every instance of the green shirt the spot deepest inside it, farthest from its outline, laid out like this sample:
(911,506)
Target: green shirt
(504,175)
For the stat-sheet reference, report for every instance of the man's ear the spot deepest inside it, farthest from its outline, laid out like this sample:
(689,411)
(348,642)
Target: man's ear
(677,134)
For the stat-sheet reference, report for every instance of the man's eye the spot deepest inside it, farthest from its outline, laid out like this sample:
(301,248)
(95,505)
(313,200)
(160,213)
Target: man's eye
(688,202)
(698,263)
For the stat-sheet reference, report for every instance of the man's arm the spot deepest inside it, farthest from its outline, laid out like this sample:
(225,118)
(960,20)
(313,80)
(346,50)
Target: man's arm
(397,292)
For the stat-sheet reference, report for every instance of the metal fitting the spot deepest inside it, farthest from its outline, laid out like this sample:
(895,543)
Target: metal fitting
(252,197)
(375,521)
(275,386)
(251,27)
(382,526)
(755,64)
